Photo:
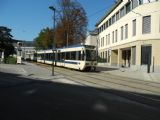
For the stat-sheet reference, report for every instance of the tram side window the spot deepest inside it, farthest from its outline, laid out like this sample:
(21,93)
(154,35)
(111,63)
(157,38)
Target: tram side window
(78,55)
(51,56)
(46,56)
(73,55)
(63,55)
(67,55)
(58,56)
(43,56)
(38,57)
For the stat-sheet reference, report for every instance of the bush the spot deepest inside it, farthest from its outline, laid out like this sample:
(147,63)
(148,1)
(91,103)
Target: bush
(101,60)
(10,60)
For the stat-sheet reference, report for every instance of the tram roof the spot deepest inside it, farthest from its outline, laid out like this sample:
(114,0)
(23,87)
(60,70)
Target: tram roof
(71,46)
(79,45)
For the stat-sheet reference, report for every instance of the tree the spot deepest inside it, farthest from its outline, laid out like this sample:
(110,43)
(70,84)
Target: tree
(5,41)
(44,39)
(72,26)
(70,29)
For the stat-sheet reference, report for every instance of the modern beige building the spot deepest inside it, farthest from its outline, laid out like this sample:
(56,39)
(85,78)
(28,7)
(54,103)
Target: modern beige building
(129,34)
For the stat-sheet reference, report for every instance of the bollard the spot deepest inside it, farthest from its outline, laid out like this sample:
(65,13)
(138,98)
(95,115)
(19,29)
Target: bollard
(153,65)
(148,67)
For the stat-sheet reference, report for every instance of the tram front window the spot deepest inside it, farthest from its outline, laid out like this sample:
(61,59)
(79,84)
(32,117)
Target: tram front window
(90,55)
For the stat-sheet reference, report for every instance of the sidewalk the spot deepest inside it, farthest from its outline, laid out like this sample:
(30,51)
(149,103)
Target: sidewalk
(34,71)
(30,70)
(130,73)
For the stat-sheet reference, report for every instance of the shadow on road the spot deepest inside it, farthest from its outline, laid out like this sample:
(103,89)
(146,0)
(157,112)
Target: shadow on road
(31,99)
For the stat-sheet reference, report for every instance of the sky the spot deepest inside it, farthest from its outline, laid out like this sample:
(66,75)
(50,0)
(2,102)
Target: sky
(27,18)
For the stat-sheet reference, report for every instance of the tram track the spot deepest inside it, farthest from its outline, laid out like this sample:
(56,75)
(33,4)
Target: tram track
(114,80)
(131,95)
(142,95)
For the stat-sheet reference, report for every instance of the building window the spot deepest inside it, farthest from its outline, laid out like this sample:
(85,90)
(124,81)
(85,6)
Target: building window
(140,2)
(110,21)
(107,24)
(128,7)
(109,56)
(134,27)
(134,4)
(122,33)
(122,12)
(108,39)
(126,31)
(116,35)
(99,30)
(113,37)
(99,43)
(103,41)
(117,16)
(106,56)
(104,26)
(113,19)
(103,55)
(146,28)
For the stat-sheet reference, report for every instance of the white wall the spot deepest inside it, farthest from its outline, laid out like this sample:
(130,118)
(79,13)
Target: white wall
(91,40)
(144,10)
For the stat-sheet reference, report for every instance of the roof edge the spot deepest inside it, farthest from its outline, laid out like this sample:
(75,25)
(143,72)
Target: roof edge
(109,11)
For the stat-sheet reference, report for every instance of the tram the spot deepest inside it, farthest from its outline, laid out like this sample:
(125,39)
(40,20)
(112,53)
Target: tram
(79,57)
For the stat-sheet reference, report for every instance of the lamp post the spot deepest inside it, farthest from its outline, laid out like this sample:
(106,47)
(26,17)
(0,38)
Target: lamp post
(53,45)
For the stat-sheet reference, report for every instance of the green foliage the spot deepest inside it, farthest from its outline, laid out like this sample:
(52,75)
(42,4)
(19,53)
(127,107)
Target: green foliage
(70,28)
(10,60)
(101,60)
(5,41)
(44,39)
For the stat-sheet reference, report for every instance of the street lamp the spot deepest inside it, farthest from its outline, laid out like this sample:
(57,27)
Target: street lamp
(53,45)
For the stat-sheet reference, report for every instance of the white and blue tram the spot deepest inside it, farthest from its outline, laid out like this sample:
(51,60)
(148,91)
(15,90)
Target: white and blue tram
(80,57)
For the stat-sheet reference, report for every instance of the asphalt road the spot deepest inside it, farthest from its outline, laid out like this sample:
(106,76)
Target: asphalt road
(25,98)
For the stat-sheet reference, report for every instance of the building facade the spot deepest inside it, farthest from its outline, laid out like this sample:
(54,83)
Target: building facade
(28,53)
(129,34)
(91,38)
(24,51)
